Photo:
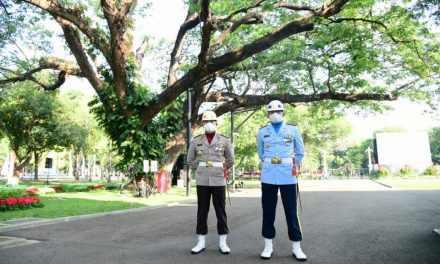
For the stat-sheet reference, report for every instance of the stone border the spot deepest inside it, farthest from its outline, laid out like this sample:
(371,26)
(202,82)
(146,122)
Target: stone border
(81,217)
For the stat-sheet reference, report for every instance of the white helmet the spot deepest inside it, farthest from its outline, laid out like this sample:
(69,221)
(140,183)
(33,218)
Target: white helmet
(275,105)
(209,116)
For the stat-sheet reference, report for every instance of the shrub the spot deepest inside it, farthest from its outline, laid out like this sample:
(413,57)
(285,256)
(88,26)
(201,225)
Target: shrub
(74,188)
(7,193)
(382,172)
(19,203)
(111,186)
(431,171)
(58,188)
(96,187)
(406,171)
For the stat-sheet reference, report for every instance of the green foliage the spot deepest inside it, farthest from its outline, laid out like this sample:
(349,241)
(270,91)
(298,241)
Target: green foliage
(75,187)
(382,172)
(434,142)
(11,192)
(406,171)
(431,171)
(33,122)
(133,143)
(357,155)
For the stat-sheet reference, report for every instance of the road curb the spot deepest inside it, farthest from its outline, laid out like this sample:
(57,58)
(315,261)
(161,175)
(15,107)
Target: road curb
(88,216)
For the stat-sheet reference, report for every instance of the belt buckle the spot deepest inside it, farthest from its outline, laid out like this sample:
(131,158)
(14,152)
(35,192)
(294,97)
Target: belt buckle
(209,164)
(275,160)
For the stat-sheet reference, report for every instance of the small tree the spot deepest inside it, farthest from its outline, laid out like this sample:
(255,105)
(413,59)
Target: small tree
(33,123)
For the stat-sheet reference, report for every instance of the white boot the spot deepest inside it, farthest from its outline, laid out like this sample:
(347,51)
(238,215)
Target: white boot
(200,245)
(268,249)
(297,252)
(224,249)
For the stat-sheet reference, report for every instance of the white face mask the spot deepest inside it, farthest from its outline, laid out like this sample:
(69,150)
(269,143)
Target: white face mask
(275,118)
(210,127)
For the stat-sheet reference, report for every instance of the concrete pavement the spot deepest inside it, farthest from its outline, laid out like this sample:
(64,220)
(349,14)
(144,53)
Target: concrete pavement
(364,223)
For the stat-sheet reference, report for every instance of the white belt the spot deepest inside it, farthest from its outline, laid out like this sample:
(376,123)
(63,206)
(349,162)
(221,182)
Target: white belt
(281,160)
(210,164)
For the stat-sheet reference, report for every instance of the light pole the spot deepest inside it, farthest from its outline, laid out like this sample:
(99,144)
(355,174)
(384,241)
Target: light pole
(370,165)
(188,140)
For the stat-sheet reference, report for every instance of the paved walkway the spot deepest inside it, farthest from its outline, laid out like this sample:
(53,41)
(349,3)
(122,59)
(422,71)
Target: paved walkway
(364,223)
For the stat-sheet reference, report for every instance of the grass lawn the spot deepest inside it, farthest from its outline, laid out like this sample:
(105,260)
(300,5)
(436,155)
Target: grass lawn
(81,203)
(412,184)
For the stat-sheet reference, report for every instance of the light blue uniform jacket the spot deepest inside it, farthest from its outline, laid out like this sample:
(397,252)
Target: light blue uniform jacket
(287,143)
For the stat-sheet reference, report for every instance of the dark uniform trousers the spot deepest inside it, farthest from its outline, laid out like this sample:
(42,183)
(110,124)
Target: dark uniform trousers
(218,194)
(269,200)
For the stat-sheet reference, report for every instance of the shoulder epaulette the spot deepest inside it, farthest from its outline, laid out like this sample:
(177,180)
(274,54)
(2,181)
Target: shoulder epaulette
(198,136)
(223,136)
(292,124)
(263,126)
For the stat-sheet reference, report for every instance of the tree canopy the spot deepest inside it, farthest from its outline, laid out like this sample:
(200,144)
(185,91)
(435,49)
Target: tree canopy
(33,122)
(241,53)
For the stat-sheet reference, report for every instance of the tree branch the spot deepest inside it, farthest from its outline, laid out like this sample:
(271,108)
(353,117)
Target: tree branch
(76,17)
(45,63)
(260,100)
(294,7)
(4,7)
(252,18)
(74,42)
(191,21)
(228,59)
(118,62)
(140,53)
(242,10)
(205,17)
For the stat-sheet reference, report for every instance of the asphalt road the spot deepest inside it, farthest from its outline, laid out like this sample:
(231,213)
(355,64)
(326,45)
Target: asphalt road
(361,226)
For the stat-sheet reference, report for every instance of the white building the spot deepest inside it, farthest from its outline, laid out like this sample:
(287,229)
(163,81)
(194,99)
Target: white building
(399,150)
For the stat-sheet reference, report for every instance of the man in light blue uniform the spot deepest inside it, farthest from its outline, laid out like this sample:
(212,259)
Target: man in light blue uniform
(280,146)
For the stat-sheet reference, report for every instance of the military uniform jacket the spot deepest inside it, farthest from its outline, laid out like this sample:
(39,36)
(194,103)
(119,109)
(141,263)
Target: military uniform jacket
(285,144)
(219,151)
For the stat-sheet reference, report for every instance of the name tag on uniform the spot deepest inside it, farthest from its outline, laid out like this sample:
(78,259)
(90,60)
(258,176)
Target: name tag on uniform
(266,136)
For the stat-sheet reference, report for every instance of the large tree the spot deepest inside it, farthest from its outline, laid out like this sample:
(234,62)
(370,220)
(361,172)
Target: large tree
(332,52)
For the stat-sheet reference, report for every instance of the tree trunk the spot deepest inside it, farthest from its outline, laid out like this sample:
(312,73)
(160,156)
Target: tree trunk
(36,161)
(174,148)
(77,166)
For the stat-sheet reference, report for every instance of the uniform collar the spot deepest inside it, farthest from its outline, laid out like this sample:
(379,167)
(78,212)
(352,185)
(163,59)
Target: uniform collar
(272,130)
(213,142)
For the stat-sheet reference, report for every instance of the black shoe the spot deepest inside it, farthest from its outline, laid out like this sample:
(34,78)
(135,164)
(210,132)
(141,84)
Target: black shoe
(197,252)
(224,252)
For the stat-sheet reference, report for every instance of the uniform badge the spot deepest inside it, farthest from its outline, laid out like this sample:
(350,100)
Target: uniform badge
(199,153)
